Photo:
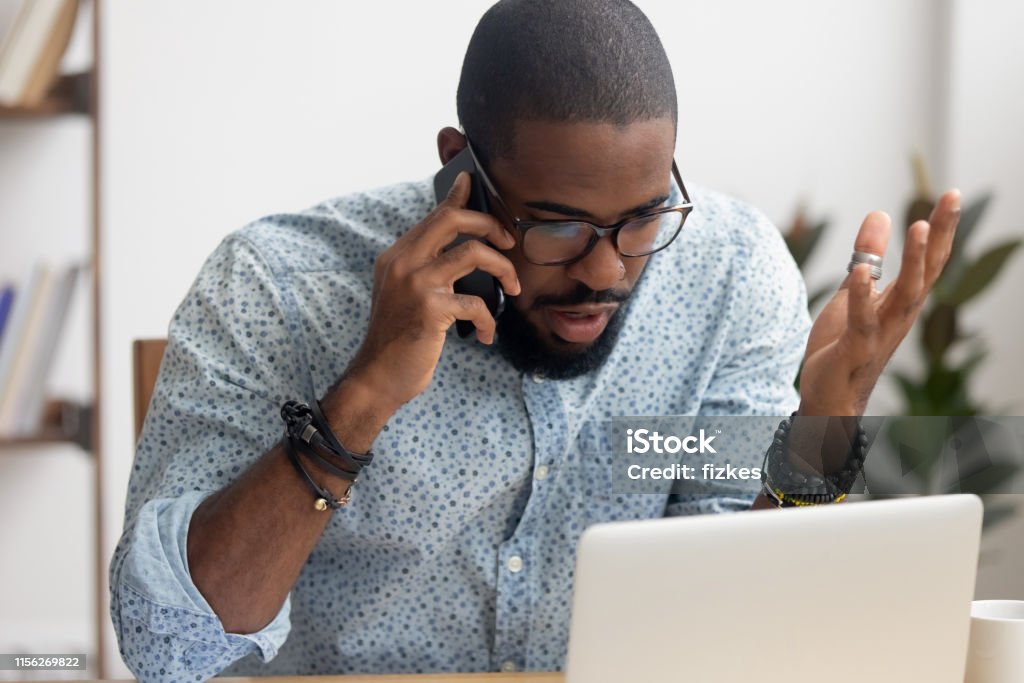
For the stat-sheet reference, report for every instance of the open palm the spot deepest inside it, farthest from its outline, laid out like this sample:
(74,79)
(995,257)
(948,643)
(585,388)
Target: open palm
(857,332)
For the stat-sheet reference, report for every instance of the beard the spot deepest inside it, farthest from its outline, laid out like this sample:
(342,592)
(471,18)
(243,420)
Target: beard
(529,351)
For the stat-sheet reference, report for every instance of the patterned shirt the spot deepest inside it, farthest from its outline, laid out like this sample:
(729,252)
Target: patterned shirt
(457,550)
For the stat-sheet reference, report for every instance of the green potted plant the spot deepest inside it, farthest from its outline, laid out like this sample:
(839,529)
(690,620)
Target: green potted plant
(942,386)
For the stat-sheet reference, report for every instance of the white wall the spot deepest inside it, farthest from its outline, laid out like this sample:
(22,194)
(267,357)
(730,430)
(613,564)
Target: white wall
(215,113)
(986,152)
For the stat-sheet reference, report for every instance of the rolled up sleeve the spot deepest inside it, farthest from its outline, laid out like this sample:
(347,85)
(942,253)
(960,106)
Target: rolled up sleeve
(232,358)
(165,625)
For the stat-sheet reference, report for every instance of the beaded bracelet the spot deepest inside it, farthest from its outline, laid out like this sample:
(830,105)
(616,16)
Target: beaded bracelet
(803,489)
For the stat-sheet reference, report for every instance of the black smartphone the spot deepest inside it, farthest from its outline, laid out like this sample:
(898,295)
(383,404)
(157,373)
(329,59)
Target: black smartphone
(478,283)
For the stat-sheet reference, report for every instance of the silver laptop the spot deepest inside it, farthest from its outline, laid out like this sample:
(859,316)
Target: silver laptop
(862,591)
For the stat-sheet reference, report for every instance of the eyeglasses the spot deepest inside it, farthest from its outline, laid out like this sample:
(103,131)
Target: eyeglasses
(561,242)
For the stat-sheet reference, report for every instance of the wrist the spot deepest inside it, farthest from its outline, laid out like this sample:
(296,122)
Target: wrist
(831,409)
(356,412)
(819,440)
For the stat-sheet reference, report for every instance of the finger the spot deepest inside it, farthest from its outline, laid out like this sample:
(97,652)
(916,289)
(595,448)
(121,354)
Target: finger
(861,318)
(447,227)
(908,291)
(943,220)
(450,218)
(473,309)
(873,237)
(458,194)
(467,257)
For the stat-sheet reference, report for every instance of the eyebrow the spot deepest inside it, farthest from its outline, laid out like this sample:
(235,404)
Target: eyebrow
(563,209)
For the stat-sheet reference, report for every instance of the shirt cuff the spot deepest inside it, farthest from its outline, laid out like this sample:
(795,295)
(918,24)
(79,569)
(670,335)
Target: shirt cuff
(158,589)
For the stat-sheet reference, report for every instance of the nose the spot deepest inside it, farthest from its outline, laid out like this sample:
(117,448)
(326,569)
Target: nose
(601,269)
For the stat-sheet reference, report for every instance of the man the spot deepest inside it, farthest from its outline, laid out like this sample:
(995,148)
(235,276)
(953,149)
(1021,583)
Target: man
(456,549)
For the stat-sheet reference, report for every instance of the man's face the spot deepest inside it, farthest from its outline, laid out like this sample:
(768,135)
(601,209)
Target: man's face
(566,319)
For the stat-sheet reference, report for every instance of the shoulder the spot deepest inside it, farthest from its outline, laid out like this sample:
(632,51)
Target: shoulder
(724,234)
(345,233)
(728,254)
(718,218)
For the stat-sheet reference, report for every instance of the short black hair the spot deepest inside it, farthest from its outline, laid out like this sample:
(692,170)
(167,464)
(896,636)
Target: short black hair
(561,60)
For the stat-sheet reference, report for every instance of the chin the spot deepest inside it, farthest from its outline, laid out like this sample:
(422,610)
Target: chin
(535,349)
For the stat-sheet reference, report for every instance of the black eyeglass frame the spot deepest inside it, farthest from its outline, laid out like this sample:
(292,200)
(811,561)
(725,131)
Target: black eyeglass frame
(596,231)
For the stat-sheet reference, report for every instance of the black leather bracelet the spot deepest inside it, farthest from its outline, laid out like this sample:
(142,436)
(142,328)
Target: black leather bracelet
(324,498)
(323,463)
(308,427)
(324,429)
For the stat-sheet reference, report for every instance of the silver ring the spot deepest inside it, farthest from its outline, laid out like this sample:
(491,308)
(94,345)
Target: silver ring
(873,260)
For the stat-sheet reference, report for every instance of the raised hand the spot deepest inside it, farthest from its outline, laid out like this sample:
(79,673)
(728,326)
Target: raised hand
(857,332)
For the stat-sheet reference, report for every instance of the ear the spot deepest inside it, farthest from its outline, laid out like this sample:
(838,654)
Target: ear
(449,143)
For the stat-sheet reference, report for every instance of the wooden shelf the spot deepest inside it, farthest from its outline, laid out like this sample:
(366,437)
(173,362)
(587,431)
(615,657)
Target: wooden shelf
(69,95)
(63,422)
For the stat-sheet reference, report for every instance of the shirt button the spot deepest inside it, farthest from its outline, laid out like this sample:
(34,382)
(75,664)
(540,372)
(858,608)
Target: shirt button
(508,666)
(515,564)
(541,473)
(538,378)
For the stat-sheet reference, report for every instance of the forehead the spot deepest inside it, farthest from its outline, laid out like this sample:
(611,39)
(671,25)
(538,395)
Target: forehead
(601,167)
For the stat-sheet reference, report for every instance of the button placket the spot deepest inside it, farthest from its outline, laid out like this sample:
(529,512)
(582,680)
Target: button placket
(549,422)
(515,573)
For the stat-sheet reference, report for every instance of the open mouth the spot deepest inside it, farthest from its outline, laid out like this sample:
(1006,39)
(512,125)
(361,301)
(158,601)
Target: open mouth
(579,325)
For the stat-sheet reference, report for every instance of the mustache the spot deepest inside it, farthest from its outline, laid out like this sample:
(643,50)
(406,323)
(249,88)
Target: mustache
(581,295)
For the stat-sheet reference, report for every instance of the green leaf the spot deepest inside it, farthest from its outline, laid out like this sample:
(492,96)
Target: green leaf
(946,389)
(981,273)
(970,216)
(913,392)
(972,361)
(939,330)
(918,210)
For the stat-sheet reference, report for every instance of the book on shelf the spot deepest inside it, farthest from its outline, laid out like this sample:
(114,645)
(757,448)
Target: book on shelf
(6,300)
(24,302)
(32,50)
(29,345)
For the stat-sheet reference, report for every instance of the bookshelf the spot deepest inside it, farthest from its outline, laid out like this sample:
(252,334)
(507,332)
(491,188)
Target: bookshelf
(66,422)
(63,422)
(70,95)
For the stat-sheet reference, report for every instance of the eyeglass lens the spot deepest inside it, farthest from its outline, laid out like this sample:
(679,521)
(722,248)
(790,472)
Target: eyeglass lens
(565,241)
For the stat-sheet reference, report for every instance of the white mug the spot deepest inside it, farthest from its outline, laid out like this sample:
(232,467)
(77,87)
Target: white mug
(996,650)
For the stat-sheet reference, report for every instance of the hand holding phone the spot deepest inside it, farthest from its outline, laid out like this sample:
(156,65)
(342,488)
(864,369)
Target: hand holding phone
(478,283)
(415,301)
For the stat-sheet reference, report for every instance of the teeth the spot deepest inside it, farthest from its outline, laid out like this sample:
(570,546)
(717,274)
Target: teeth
(578,315)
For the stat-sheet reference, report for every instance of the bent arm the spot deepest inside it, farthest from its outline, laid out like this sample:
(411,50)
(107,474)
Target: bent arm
(162,622)
(248,542)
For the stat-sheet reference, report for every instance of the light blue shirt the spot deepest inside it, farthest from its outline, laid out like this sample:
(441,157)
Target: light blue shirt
(457,550)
